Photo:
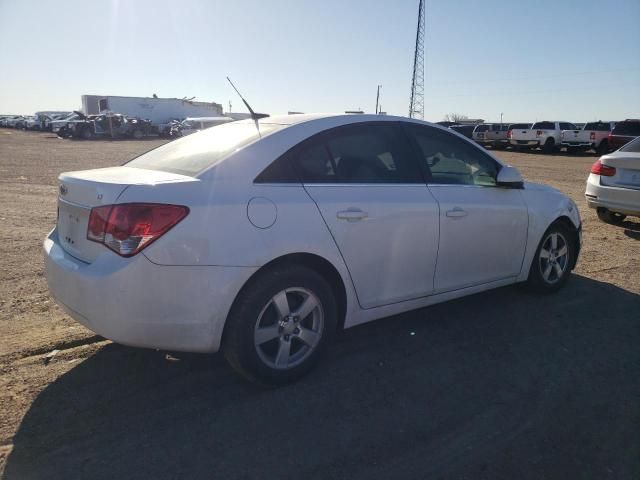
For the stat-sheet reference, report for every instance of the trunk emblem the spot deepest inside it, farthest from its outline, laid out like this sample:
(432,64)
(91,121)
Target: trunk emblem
(63,189)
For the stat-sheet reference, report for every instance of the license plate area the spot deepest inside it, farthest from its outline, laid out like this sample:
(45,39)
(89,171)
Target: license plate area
(72,228)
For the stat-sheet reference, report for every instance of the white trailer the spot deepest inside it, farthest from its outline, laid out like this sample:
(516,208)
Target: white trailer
(161,111)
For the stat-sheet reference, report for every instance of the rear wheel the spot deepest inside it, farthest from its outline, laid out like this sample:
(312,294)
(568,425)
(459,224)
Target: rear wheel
(280,325)
(607,216)
(549,146)
(603,148)
(553,260)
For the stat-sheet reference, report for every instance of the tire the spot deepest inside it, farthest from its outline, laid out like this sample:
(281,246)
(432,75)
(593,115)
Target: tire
(137,134)
(612,218)
(549,146)
(554,259)
(288,346)
(603,148)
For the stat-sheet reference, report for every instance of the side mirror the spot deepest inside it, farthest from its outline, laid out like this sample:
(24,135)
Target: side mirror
(509,177)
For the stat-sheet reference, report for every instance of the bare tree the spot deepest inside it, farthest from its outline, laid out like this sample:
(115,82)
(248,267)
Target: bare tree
(454,117)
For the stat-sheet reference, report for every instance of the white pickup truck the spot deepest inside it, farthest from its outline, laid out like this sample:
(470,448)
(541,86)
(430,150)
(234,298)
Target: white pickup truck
(545,135)
(593,135)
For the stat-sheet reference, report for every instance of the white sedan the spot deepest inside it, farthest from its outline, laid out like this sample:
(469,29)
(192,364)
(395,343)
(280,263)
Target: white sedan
(261,238)
(613,186)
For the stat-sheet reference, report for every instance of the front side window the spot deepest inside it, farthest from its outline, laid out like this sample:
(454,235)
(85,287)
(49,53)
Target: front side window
(358,154)
(453,161)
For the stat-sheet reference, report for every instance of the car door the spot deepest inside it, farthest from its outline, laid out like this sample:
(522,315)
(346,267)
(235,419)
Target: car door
(483,227)
(371,194)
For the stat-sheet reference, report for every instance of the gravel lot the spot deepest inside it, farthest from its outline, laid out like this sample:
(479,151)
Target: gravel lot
(504,384)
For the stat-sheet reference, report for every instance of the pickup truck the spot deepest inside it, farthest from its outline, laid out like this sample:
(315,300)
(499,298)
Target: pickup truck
(545,135)
(593,135)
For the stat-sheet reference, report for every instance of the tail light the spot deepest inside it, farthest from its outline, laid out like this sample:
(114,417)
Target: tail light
(538,133)
(509,133)
(592,136)
(130,227)
(604,170)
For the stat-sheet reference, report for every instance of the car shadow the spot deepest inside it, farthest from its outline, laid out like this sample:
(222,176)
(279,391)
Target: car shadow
(503,384)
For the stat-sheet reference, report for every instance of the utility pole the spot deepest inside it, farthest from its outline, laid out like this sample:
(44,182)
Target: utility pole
(378,98)
(500,118)
(416,102)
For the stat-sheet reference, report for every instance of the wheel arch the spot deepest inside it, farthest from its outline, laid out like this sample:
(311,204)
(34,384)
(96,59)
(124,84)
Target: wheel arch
(314,262)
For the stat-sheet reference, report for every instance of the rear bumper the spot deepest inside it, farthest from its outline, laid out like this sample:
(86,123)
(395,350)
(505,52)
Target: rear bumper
(620,200)
(577,144)
(138,303)
(524,143)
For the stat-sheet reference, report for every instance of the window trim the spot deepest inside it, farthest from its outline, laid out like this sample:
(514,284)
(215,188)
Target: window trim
(427,171)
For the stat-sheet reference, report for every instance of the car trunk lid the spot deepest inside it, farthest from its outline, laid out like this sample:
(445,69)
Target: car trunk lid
(79,192)
(627,167)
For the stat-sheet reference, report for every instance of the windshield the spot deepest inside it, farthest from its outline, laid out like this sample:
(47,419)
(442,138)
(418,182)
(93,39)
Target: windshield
(632,146)
(190,155)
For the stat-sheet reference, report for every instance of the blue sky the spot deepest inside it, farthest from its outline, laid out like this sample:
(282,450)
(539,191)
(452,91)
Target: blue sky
(552,59)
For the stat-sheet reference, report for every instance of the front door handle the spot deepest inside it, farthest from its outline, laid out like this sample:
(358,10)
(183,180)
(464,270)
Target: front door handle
(456,213)
(352,215)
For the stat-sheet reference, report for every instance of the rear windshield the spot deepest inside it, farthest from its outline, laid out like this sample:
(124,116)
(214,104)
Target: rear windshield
(627,128)
(518,126)
(598,126)
(544,126)
(632,146)
(481,128)
(190,155)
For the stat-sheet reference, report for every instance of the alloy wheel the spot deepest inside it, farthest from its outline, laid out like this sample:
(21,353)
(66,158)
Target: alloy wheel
(554,257)
(289,328)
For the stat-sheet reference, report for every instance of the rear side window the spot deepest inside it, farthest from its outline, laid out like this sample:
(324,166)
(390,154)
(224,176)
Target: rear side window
(597,126)
(627,128)
(518,126)
(190,155)
(452,160)
(482,128)
(544,126)
(358,154)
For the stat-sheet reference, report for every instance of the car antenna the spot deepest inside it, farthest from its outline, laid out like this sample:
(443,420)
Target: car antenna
(254,116)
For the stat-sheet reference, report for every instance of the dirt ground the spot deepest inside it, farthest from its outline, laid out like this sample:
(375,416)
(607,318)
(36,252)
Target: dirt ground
(504,384)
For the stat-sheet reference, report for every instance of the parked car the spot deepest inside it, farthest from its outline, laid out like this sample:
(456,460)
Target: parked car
(613,186)
(14,121)
(60,123)
(478,132)
(466,130)
(497,135)
(594,135)
(106,126)
(196,245)
(192,125)
(545,135)
(624,132)
(31,123)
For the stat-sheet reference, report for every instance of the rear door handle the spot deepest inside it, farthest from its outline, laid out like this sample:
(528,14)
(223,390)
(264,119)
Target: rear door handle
(456,213)
(352,215)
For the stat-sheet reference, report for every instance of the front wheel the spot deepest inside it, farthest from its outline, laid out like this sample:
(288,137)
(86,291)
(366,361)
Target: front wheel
(552,263)
(280,325)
